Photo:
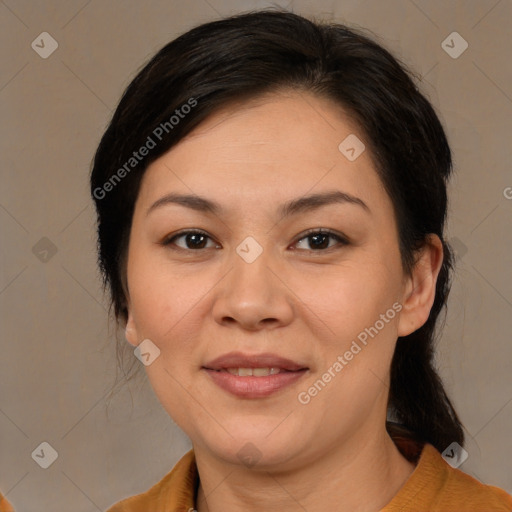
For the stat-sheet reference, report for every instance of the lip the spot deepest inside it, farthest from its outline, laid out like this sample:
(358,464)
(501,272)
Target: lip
(265,360)
(250,386)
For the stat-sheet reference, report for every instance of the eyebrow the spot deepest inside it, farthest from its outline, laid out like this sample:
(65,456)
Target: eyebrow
(293,207)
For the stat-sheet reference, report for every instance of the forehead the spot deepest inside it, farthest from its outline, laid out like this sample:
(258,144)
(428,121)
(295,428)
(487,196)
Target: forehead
(272,147)
(271,123)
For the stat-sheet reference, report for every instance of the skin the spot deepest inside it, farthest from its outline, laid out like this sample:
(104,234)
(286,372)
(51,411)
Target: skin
(300,302)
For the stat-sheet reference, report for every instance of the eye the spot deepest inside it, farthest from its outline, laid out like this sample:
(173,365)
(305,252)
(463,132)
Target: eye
(319,239)
(193,239)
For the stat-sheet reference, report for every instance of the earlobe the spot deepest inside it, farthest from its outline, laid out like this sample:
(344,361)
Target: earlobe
(420,289)
(131,331)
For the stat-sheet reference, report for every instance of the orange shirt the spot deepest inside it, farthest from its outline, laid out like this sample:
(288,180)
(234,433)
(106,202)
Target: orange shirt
(5,506)
(434,486)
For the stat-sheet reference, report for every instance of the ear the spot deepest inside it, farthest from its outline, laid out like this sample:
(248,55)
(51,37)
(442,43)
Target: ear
(420,288)
(130,329)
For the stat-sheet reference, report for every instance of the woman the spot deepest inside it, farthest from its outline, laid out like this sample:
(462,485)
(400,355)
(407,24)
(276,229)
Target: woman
(271,198)
(275,249)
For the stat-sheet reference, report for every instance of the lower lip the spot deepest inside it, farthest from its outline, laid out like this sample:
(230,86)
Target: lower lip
(254,387)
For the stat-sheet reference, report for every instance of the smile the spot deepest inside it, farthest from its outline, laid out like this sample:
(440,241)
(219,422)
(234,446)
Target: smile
(256,372)
(246,383)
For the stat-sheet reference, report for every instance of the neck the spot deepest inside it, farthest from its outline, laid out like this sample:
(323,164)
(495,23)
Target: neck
(362,475)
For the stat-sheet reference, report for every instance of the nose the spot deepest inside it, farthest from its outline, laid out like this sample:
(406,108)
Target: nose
(253,295)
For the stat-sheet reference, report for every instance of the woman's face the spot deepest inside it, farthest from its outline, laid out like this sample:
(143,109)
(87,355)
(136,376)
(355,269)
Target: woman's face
(256,284)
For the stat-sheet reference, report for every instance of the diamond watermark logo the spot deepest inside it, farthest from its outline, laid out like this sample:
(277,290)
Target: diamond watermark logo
(249,250)
(249,455)
(45,455)
(44,250)
(146,352)
(454,45)
(352,147)
(455,455)
(44,45)
(459,248)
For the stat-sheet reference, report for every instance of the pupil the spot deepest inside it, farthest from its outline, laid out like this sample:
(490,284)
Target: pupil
(320,245)
(191,237)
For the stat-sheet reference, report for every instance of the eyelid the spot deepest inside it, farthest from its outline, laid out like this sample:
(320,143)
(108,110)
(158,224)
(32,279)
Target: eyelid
(168,240)
(342,239)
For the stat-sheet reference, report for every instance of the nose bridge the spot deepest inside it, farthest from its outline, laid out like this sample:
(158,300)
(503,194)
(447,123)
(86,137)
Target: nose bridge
(252,292)
(251,274)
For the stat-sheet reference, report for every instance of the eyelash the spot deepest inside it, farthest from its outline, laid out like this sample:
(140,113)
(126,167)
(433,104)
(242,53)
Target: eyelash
(342,241)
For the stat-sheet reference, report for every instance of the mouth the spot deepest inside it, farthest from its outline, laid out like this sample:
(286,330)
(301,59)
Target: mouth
(255,376)
(250,372)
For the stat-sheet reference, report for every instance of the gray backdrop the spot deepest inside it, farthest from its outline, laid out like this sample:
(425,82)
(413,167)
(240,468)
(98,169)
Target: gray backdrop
(58,361)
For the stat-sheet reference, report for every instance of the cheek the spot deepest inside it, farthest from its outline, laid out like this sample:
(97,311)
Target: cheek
(167,310)
(355,340)
(359,317)
(171,309)
(345,299)
(162,294)
(166,307)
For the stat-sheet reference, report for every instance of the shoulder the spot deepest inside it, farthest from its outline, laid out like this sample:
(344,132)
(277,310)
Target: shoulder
(435,486)
(175,491)
(5,506)
(459,488)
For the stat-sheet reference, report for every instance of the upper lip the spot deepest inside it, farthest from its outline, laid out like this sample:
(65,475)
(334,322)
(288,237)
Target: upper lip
(265,360)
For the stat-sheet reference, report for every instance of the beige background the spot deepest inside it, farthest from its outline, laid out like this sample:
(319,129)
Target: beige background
(58,362)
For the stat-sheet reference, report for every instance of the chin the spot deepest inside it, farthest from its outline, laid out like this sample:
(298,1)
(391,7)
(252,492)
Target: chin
(254,448)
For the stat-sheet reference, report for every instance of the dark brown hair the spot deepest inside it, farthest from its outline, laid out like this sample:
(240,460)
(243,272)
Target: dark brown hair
(249,54)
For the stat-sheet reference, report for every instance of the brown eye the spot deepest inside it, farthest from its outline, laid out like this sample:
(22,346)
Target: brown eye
(320,239)
(192,240)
